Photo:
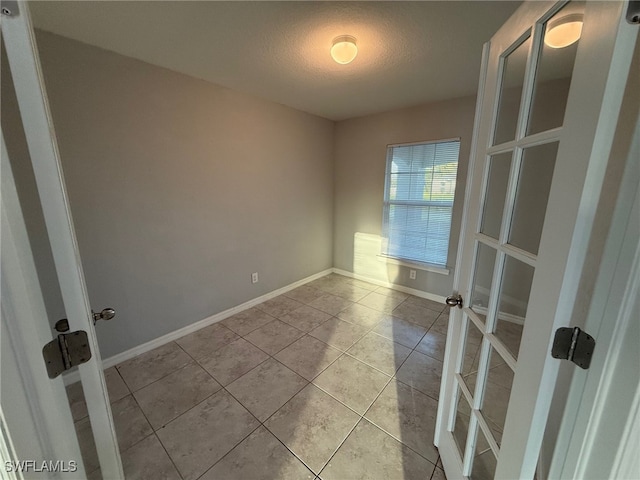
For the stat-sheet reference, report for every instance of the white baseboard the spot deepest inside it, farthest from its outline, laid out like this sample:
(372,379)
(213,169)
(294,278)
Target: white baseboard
(74,376)
(394,286)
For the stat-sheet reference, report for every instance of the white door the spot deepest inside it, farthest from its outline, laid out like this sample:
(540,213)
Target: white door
(19,42)
(550,92)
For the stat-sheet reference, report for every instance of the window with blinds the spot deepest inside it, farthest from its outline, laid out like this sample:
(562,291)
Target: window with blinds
(418,201)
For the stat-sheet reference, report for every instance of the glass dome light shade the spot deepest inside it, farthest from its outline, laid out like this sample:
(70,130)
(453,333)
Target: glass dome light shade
(344,49)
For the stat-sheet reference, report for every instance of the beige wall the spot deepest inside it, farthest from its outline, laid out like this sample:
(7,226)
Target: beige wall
(360,160)
(181,189)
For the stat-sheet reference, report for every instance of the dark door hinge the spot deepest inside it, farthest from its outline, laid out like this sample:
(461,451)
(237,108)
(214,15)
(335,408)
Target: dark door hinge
(573,344)
(66,351)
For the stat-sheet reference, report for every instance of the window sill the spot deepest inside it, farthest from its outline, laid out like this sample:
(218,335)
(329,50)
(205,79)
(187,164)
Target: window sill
(415,265)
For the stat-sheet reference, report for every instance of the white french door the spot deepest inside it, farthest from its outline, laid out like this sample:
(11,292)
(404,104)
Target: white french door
(47,411)
(550,92)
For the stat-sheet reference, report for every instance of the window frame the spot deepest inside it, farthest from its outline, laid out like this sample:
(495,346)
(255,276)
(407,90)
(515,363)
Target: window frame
(405,261)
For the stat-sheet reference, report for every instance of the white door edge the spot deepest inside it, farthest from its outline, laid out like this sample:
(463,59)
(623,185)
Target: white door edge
(588,391)
(44,424)
(451,334)
(22,53)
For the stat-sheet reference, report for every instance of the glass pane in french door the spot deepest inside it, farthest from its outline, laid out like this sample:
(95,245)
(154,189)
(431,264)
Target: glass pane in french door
(513,301)
(513,76)
(534,184)
(555,66)
(471,358)
(482,279)
(484,461)
(496,394)
(461,421)
(495,194)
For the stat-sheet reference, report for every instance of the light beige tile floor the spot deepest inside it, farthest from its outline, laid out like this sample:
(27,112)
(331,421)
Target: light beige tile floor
(336,379)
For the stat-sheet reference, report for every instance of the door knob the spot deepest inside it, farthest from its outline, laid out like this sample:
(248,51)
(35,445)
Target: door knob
(454,301)
(62,325)
(105,314)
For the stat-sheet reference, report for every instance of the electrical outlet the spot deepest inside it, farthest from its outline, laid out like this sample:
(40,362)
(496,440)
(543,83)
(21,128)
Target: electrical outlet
(254,277)
(412,274)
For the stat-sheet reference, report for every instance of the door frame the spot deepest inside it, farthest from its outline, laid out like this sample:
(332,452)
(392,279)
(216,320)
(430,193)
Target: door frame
(575,234)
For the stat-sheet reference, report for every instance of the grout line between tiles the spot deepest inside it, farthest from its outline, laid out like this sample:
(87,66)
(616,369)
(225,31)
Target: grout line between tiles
(282,406)
(338,447)
(229,383)
(275,319)
(391,378)
(308,306)
(169,456)
(321,371)
(156,435)
(372,402)
(232,448)
(434,470)
(362,416)
(131,391)
(342,353)
(305,464)
(174,371)
(256,328)
(400,441)
(290,451)
(204,400)
(262,423)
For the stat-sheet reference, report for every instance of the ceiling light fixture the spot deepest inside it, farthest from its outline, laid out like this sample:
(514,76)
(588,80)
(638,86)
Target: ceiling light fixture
(564,31)
(344,49)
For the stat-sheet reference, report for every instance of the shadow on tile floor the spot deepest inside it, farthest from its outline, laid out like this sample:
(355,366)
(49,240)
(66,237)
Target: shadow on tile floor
(336,379)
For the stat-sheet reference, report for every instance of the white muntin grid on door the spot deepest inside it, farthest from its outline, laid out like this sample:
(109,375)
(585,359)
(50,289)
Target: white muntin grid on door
(503,249)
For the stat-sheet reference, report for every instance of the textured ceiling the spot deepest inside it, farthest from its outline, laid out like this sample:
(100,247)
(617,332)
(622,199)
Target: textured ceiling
(409,52)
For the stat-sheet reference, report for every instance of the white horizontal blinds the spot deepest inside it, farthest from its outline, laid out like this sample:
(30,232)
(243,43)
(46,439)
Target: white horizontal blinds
(419,193)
